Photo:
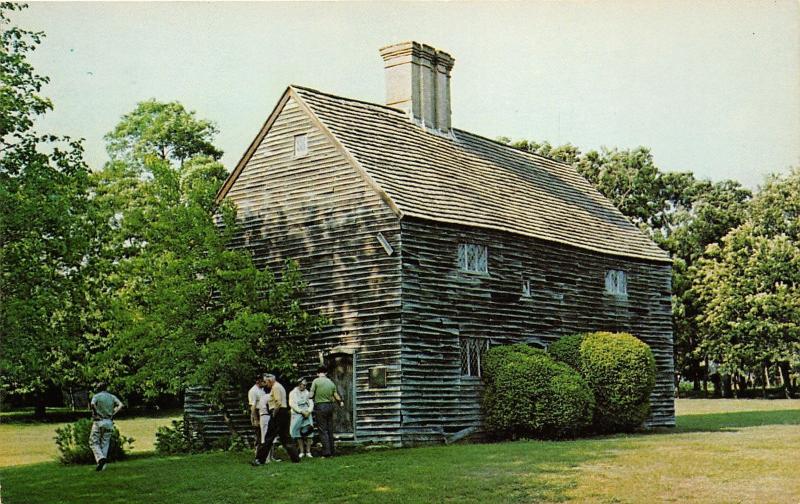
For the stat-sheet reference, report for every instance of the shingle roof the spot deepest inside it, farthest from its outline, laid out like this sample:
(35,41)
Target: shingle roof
(470,180)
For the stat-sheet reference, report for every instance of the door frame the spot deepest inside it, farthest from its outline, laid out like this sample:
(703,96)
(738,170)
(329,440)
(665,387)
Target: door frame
(353,352)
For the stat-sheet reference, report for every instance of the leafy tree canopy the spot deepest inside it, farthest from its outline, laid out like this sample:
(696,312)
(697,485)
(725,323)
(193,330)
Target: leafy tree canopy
(177,303)
(44,229)
(749,284)
(163,130)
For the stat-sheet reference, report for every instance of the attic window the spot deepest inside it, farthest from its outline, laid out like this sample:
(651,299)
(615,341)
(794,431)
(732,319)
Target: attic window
(300,145)
(473,258)
(616,282)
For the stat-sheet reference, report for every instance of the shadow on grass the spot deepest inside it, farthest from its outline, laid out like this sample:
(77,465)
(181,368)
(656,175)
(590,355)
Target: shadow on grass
(713,422)
(523,471)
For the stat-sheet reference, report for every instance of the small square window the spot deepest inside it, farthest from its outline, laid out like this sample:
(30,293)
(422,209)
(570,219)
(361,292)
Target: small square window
(300,145)
(616,282)
(473,258)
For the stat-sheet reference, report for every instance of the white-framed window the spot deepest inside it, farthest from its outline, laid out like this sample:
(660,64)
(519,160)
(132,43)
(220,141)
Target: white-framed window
(616,282)
(473,258)
(526,288)
(472,352)
(300,145)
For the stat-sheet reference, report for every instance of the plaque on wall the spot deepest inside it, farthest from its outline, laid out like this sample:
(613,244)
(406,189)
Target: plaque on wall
(377,377)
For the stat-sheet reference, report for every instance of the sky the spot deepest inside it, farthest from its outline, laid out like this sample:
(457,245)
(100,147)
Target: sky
(709,87)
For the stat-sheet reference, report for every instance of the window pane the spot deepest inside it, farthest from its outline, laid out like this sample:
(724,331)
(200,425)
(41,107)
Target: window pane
(300,145)
(481,259)
(472,257)
(474,365)
(464,356)
(616,282)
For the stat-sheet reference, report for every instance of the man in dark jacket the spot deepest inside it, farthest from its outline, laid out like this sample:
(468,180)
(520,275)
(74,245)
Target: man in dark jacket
(278,424)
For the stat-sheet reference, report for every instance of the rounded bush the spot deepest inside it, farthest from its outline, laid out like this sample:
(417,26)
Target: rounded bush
(621,371)
(530,395)
(567,350)
(73,443)
(499,355)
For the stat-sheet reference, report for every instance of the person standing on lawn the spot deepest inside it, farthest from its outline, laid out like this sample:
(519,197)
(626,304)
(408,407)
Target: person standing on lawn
(259,411)
(278,424)
(323,392)
(104,405)
(302,425)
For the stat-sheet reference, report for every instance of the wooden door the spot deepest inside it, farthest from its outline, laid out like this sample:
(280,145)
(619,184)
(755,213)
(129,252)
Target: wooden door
(340,370)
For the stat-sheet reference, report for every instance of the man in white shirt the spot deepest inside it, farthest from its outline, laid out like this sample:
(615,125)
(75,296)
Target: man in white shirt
(259,409)
(104,406)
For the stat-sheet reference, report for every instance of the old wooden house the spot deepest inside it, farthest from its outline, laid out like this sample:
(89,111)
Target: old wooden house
(426,245)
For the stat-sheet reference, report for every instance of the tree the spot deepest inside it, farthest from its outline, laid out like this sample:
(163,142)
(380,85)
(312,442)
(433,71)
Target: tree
(749,285)
(178,305)
(164,130)
(44,229)
(716,208)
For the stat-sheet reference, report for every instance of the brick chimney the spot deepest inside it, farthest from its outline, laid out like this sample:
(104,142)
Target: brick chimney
(418,81)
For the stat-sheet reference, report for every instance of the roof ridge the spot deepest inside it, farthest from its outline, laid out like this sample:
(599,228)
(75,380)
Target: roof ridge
(348,99)
(514,149)
(400,112)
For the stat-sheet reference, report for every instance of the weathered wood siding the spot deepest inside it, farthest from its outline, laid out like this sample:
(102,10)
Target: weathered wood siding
(441,304)
(211,424)
(319,210)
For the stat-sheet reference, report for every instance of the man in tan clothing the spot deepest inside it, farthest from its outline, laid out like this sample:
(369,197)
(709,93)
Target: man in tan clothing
(104,406)
(278,424)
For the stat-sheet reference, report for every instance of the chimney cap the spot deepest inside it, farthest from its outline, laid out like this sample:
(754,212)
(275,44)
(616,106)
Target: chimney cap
(418,49)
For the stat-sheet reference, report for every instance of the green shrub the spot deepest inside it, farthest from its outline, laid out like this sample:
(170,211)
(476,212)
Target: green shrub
(499,355)
(567,350)
(173,440)
(530,395)
(177,439)
(73,443)
(620,370)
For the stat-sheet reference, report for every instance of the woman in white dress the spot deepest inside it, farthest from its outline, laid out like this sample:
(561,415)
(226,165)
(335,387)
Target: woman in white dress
(302,425)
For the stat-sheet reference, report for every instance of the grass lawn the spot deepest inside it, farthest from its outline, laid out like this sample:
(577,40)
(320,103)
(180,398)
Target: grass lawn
(721,451)
(23,441)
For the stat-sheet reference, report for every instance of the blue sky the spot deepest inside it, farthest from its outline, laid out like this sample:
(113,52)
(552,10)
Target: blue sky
(710,87)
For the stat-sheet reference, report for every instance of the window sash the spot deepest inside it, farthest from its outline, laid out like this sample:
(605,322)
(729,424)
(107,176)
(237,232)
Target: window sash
(300,145)
(473,258)
(473,351)
(616,282)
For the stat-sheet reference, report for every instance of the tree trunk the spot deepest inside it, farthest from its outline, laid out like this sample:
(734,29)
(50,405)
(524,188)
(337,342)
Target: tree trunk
(727,386)
(40,410)
(705,377)
(786,379)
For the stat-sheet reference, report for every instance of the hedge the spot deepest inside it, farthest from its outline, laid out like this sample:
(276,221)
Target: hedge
(621,371)
(567,350)
(619,368)
(530,395)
